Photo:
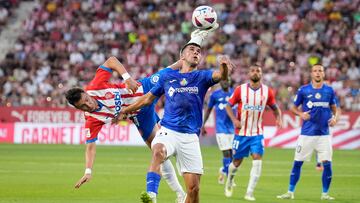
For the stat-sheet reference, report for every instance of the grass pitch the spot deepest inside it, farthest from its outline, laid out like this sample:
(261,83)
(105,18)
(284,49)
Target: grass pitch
(47,173)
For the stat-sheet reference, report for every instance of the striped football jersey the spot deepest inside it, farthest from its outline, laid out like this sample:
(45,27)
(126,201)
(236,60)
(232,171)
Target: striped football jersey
(251,106)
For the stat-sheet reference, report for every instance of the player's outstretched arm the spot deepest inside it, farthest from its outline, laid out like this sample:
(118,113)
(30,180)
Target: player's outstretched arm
(231,115)
(113,63)
(144,100)
(90,158)
(224,70)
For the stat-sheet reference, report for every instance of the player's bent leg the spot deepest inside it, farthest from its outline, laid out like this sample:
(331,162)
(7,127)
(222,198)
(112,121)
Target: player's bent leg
(167,170)
(153,176)
(192,182)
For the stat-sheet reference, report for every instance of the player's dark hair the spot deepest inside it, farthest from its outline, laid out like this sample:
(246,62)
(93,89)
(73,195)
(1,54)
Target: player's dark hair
(188,44)
(73,95)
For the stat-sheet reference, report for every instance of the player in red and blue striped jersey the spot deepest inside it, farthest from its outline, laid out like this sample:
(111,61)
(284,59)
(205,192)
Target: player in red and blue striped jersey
(102,102)
(251,98)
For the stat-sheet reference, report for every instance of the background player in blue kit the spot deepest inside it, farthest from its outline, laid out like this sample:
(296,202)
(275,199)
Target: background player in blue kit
(224,125)
(319,111)
(184,91)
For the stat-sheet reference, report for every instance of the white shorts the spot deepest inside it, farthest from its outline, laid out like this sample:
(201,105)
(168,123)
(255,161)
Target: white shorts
(224,141)
(307,144)
(184,146)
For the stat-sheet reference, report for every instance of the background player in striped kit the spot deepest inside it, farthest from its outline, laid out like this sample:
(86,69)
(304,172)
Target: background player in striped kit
(102,102)
(224,126)
(251,98)
(318,111)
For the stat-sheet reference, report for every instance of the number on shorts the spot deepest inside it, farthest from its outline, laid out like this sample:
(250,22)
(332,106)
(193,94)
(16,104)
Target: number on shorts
(236,144)
(298,149)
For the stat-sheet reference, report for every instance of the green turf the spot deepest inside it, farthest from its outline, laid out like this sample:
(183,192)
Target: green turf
(47,173)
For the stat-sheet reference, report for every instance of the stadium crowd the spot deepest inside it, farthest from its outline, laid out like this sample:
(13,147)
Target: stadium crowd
(64,41)
(6,11)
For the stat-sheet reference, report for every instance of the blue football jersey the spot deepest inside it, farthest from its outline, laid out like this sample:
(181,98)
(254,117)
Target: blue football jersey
(219,99)
(318,102)
(184,94)
(149,82)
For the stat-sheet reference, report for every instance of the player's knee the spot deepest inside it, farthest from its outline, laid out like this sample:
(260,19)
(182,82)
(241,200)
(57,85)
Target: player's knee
(193,190)
(237,162)
(227,153)
(159,152)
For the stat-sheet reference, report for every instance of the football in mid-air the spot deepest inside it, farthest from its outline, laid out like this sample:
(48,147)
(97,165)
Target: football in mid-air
(204,17)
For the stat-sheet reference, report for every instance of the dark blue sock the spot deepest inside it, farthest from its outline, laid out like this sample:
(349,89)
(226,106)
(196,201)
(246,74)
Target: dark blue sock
(326,176)
(295,175)
(152,182)
(226,163)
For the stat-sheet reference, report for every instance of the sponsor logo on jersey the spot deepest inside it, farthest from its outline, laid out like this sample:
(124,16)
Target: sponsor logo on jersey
(183,82)
(117,103)
(171,91)
(171,81)
(311,104)
(253,108)
(191,90)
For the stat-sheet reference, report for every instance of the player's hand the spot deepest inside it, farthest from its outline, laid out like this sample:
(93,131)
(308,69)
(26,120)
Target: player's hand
(237,124)
(131,85)
(86,178)
(305,115)
(224,59)
(204,33)
(120,117)
(332,121)
(203,131)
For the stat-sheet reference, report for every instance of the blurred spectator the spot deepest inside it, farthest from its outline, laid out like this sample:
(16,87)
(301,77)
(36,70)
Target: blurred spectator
(64,41)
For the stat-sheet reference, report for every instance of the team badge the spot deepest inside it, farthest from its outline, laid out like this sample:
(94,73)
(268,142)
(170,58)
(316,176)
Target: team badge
(317,95)
(183,82)
(108,95)
(155,78)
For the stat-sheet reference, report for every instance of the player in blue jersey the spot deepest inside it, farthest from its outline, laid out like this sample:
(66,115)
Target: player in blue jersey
(100,91)
(319,111)
(224,125)
(184,91)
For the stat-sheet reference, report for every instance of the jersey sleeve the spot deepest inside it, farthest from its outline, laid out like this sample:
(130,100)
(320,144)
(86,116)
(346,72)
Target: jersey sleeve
(235,97)
(271,98)
(212,101)
(158,89)
(207,74)
(92,129)
(102,75)
(298,100)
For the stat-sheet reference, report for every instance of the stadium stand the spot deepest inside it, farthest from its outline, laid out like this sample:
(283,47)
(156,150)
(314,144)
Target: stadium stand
(63,42)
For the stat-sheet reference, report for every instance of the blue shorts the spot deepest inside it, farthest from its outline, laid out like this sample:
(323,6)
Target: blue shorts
(145,122)
(244,145)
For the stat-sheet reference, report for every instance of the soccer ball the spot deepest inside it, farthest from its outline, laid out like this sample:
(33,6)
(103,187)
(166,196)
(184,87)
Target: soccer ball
(204,17)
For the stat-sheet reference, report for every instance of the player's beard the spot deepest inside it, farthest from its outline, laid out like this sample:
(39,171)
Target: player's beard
(255,79)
